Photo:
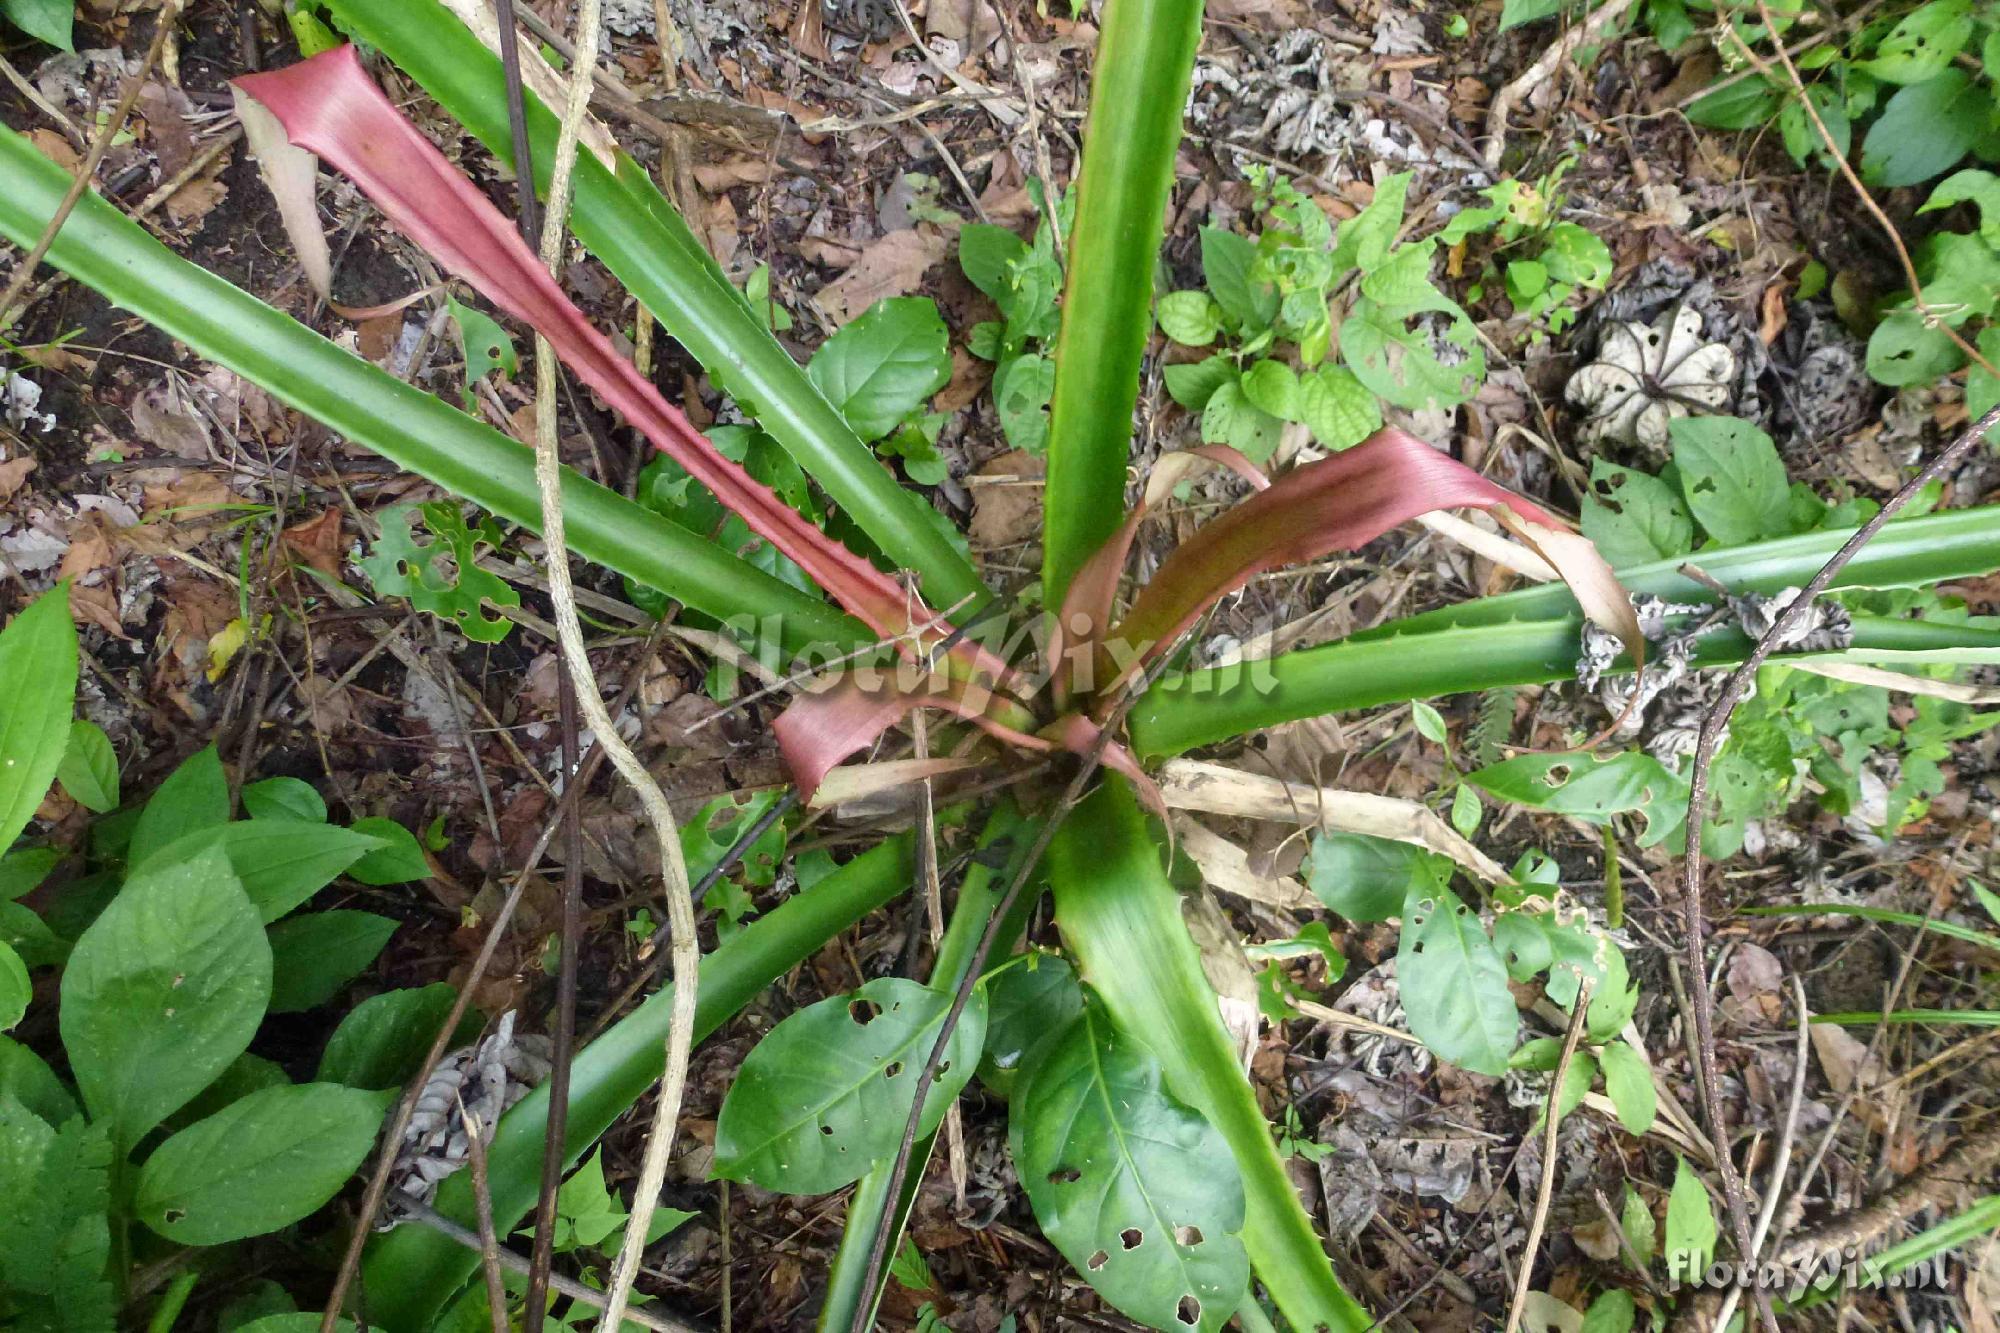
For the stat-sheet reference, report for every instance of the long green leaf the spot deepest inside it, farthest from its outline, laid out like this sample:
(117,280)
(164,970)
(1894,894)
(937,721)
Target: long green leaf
(38,660)
(1978,1018)
(1121,919)
(1365,671)
(107,251)
(1959,543)
(623,220)
(411,1272)
(1530,636)
(978,896)
(1885,915)
(1139,89)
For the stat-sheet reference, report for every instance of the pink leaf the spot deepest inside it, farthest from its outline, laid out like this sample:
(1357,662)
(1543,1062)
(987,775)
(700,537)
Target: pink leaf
(821,729)
(1086,608)
(330,106)
(1343,502)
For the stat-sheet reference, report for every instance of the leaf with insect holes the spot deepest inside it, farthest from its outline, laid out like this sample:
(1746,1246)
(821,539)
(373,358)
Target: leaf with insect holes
(1191,319)
(1634,518)
(1980,188)
(484,345)
(825,1094)
(717,827)
(1923,44)
(1366,878)
(1592,789)
(1138,1191)
(1733,479)
(401,566)
(1629,1084)
(38,663)
(881,367)
(1691,1231)
(1229,417)
(1228,263)
(1336,408)
(1453,984)
(1924,130)
(1907,349)
(89,768)
(1021,390)
(1535,943)
(260,1163)
(163,990)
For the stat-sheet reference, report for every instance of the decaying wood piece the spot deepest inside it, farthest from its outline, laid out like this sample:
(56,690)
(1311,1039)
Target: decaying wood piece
(1188,784)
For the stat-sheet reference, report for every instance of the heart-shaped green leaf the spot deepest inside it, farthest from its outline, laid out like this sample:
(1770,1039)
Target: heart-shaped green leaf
(258,1164)
(1453,984)
(1139,1192)
(826,1093)
(163,991)
(279,862)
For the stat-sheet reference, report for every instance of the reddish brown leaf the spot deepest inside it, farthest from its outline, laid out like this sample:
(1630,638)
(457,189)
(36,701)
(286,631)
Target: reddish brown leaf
(329,106)
(1338,504)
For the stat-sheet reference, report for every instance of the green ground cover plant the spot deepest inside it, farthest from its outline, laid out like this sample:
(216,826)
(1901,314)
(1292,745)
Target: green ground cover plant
(1142,1147)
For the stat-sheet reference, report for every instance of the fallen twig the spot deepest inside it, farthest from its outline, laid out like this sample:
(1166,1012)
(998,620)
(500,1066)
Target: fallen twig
(1780,1164)
(1713,724)
(1545,1190)
(685,949)
(1921,1189)
(377,1190)
(1545,65)
(114,124)
(489,1243)
(418,1211)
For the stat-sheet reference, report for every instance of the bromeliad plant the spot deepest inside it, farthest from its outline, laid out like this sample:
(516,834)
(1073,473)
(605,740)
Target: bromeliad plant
(1136,1087)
